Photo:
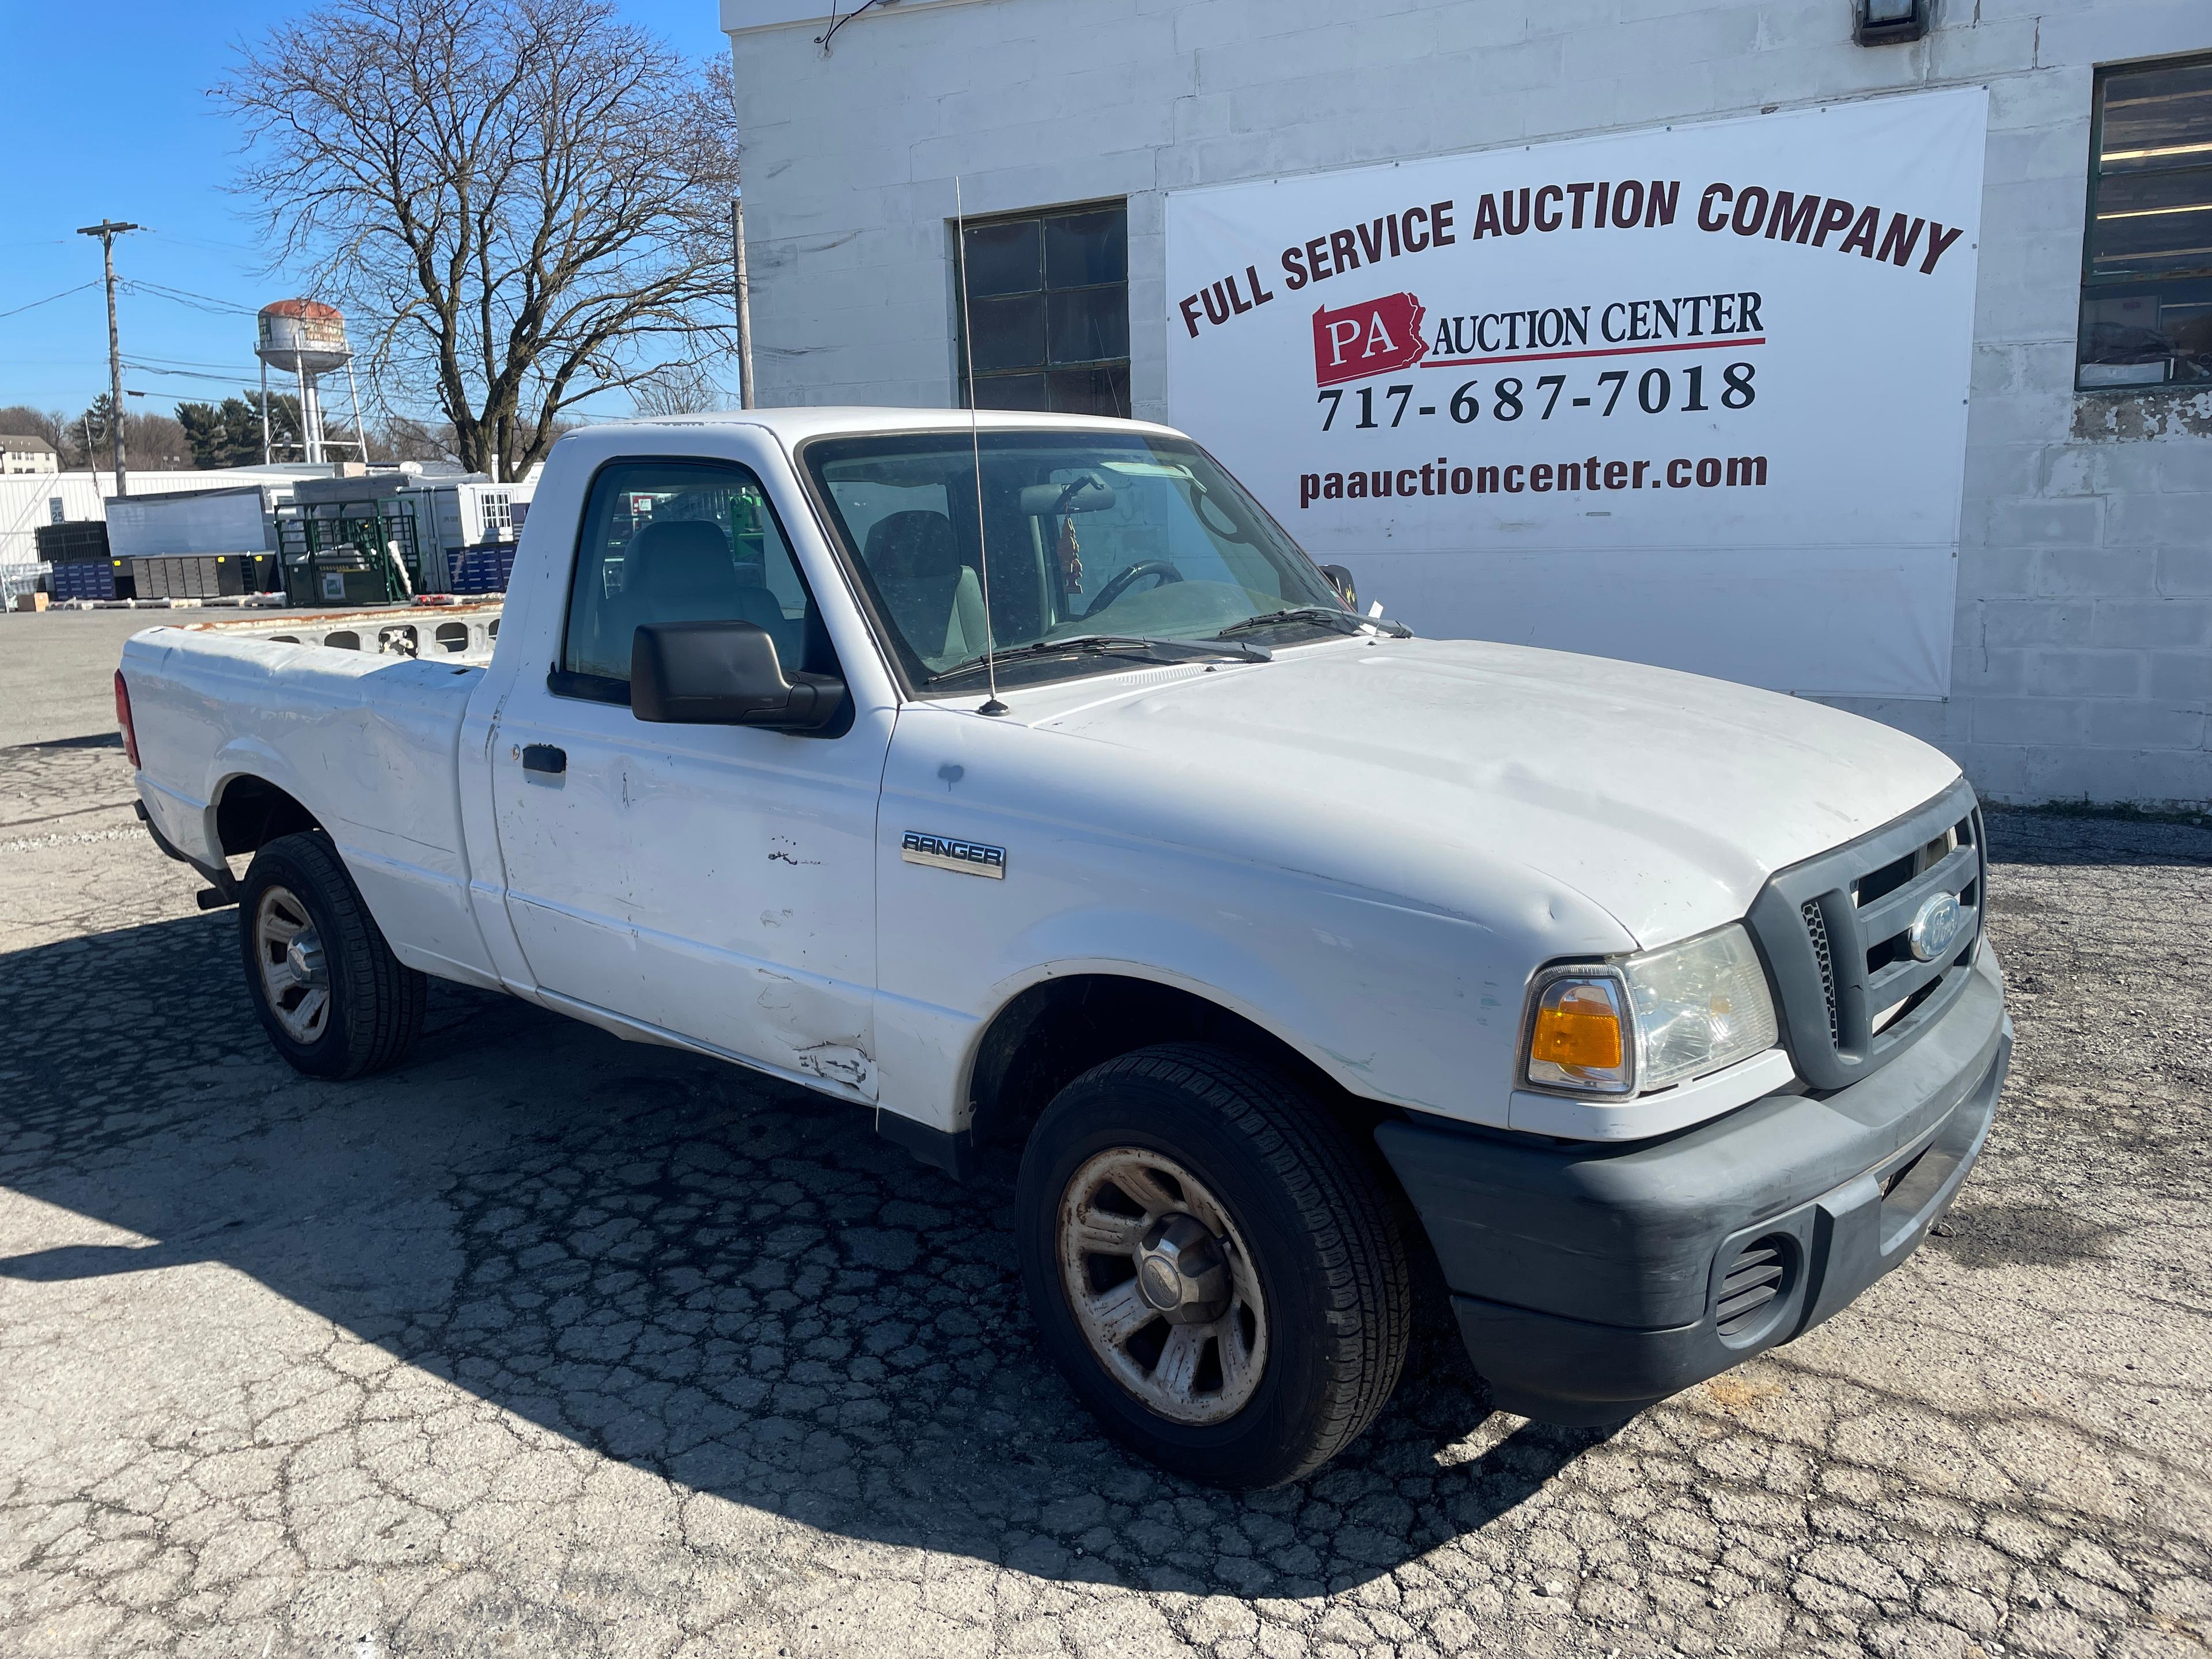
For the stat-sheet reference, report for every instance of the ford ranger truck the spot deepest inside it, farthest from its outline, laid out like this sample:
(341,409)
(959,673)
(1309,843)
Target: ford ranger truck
(1028,787)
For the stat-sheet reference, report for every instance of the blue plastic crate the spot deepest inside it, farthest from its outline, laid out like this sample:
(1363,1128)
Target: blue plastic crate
(87,579)
(481,569)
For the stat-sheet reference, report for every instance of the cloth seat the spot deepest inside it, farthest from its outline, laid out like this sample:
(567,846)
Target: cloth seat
(682,571)
(935,601)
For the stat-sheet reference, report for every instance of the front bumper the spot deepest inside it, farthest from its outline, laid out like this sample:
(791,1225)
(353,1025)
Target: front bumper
(1587,1278)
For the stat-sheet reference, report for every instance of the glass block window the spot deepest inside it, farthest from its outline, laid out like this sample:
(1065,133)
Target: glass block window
(1048,308)
(2147,257)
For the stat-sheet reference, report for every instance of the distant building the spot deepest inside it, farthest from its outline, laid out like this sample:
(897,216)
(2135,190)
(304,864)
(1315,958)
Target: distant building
(19,454)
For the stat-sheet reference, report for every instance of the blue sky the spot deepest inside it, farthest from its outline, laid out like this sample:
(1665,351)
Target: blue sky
(108,117)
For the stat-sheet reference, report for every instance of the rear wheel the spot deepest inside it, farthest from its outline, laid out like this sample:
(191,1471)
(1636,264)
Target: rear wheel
(334,999)
(1212,1266)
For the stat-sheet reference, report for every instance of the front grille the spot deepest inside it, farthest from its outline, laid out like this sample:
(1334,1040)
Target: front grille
(1816,929)
(1759,1273)
(1838,934)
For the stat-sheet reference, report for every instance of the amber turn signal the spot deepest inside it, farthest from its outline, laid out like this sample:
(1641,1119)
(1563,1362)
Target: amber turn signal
(1580,1029)
(1580,1035)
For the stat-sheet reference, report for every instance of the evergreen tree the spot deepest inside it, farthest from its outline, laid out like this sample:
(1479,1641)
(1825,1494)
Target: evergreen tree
(229,434)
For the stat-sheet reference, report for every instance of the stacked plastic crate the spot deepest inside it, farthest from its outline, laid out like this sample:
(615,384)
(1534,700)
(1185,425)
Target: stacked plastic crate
(77,551)
(481,569)
(83,579)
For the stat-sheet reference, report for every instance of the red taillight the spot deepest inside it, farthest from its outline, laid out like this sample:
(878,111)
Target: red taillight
(123,718)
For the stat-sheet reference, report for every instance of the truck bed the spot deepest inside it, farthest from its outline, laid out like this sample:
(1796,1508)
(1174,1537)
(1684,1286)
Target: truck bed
(339,711)
(446,633)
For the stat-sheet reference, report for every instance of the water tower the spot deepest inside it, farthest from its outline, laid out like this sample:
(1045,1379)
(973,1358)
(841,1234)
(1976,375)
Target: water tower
(307,339)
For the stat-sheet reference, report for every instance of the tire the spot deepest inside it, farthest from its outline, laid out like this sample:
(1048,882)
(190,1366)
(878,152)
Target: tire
(1305,1254)
(303,930)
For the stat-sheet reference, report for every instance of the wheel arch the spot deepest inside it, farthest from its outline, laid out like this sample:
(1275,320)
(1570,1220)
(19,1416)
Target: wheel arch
(249,812)
(1053,1029)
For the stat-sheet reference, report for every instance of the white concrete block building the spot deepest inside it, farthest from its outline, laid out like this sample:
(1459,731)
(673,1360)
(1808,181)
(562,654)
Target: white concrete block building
(2080,660)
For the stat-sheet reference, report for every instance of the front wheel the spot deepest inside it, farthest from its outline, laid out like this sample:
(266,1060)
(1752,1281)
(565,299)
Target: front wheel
(334,999)
(1212,1266)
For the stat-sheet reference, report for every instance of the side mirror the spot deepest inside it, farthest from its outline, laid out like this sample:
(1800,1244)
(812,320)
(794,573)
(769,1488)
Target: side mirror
(724,674)
(1341,579)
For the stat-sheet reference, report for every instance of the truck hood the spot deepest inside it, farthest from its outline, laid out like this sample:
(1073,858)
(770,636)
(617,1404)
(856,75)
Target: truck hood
(1665,799)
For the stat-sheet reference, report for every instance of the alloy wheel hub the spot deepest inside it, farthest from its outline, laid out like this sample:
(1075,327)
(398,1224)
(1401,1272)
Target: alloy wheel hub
(1182,1272)
(304,957)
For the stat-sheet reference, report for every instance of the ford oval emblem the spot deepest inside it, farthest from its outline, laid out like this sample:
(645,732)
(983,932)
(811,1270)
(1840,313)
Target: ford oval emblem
(1936,929)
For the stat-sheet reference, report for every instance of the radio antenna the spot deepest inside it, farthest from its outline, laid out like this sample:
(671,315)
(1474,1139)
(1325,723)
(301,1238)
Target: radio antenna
(975,444)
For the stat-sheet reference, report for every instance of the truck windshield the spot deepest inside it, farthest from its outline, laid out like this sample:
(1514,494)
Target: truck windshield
(1090,533)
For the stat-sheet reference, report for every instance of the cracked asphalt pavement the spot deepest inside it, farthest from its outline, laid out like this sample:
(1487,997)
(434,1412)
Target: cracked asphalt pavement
(545,1344)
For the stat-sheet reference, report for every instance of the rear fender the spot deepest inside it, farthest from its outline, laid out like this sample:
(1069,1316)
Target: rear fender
(248,757)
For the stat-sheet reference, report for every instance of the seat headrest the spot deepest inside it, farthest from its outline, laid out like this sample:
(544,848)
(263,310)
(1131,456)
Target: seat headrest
(912,546)
(683,559)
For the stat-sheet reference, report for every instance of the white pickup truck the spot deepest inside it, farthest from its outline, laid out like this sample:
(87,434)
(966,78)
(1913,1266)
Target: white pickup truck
(1027,786)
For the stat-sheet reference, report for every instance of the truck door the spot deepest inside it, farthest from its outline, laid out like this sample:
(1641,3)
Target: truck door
(712,881)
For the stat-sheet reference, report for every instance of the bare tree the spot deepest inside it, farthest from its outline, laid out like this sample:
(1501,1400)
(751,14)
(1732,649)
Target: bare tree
(21,420)
(157,443)
(679,389)
(412,440)
(526,201)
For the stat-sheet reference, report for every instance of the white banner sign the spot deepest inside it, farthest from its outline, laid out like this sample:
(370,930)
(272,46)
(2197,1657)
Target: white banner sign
(1694,397)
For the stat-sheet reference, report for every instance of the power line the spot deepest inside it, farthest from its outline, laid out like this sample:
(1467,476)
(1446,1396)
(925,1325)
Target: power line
(185,296)
(231,378)
(194,362)
(50,298)
(202,241)
(150,364)
(837,22)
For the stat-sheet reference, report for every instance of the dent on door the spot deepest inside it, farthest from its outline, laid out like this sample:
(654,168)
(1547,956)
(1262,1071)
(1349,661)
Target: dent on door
(727,900)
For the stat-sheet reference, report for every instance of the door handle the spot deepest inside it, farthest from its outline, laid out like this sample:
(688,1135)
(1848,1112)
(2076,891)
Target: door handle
(544,757)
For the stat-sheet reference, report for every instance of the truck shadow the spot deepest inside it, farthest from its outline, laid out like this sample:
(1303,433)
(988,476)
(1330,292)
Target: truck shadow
(728,1281)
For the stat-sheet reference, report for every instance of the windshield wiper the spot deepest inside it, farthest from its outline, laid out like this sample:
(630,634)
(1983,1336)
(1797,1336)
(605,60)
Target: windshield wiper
(1328,616)
(1138,646)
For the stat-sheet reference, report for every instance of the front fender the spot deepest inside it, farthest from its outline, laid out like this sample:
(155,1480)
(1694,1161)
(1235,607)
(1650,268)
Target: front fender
(1230,974)
(1330,975)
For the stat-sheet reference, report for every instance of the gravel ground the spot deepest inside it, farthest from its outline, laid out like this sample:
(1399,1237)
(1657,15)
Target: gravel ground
(551,1345)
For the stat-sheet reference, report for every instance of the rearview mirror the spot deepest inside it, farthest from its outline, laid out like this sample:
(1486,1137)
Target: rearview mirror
(1087,493)
(724,674)
(1341,579)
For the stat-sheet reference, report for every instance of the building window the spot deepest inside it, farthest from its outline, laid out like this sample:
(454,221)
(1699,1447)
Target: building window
(1048,311)
(2146,256)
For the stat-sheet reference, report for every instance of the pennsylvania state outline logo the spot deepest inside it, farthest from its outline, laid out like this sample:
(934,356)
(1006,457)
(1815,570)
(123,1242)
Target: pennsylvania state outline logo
(1354,343)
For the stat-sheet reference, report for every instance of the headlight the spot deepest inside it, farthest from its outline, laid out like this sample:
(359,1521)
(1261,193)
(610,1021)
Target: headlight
(1649,1020)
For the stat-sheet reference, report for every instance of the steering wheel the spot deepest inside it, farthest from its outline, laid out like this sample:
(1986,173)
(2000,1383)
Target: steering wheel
(1167,573)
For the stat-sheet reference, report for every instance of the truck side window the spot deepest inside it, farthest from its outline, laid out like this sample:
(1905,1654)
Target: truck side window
(680,541)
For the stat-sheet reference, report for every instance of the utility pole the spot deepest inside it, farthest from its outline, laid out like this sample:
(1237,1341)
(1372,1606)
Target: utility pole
(107,231)
(744,298)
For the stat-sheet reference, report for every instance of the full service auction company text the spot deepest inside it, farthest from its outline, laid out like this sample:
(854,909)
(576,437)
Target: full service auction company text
(1367,340)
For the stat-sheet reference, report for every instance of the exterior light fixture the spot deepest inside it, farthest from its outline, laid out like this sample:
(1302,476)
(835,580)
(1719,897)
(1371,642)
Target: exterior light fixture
(1889,22)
